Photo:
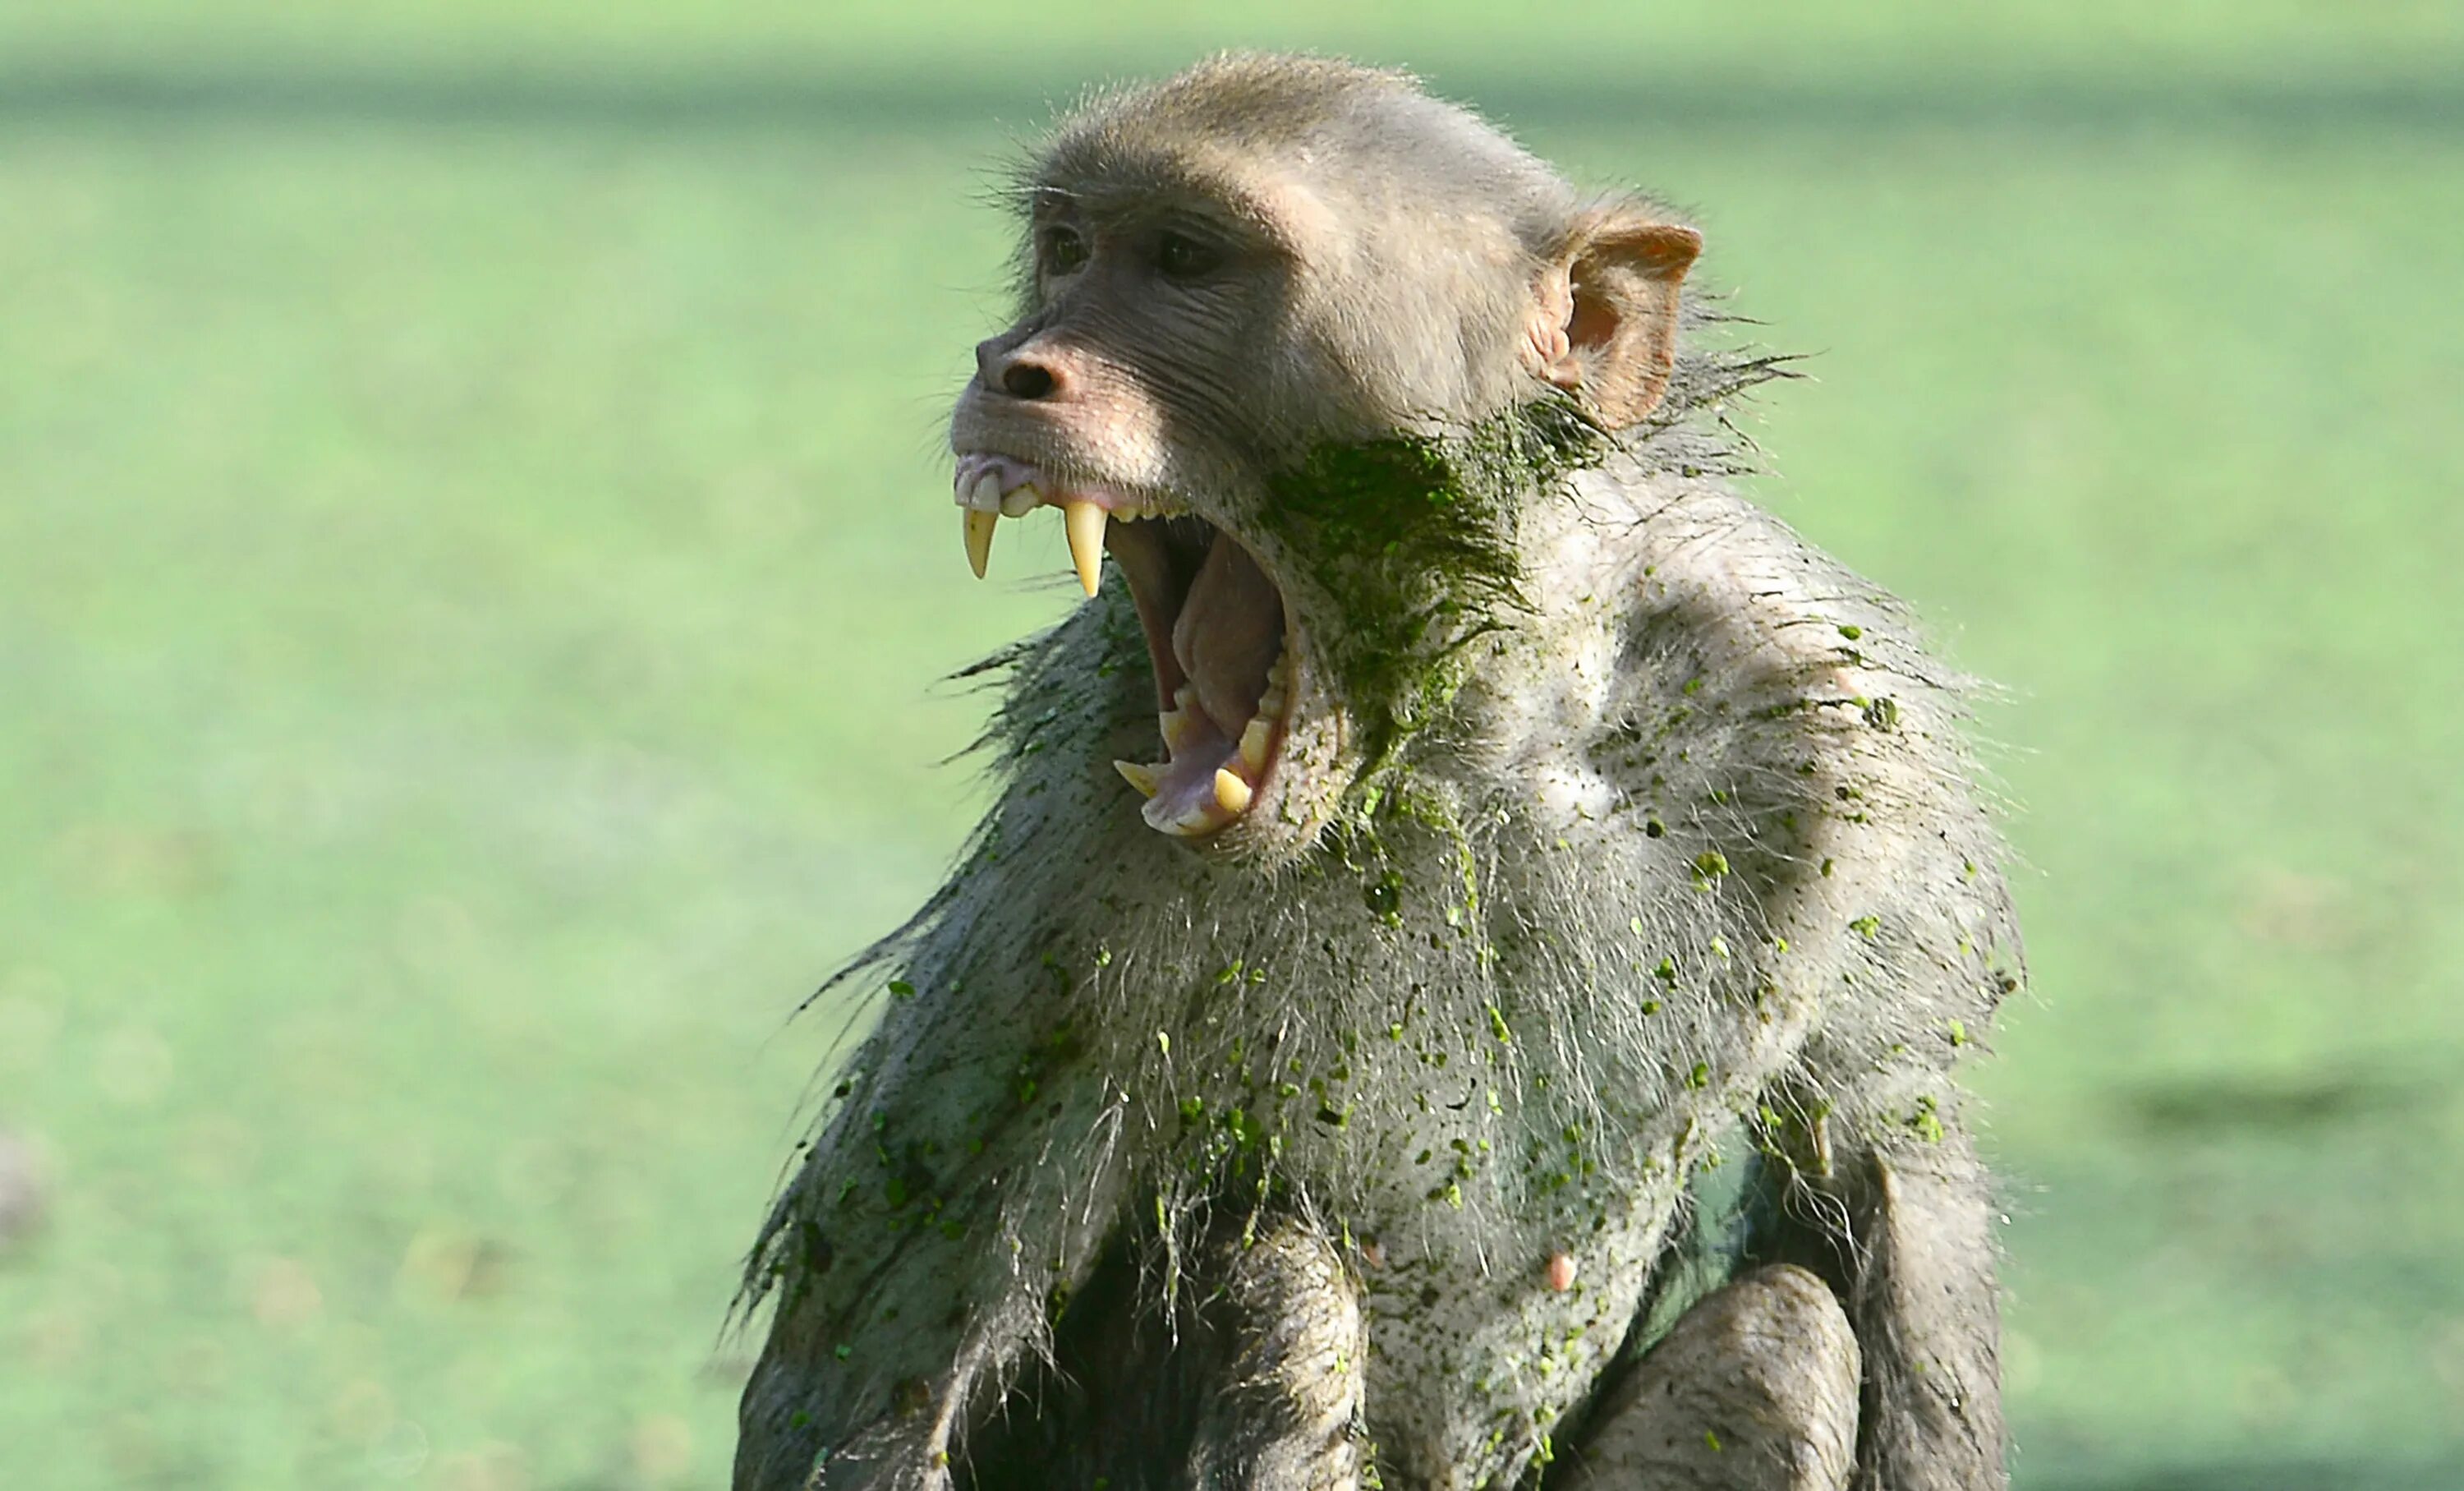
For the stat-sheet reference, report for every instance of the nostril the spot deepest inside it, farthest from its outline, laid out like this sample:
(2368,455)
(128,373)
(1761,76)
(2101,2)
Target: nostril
(1027,381)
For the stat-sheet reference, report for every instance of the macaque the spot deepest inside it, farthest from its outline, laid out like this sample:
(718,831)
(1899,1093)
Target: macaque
(1460,984)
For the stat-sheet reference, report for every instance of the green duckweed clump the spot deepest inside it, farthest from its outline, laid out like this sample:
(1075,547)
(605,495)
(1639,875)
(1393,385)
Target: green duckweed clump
(1412,541)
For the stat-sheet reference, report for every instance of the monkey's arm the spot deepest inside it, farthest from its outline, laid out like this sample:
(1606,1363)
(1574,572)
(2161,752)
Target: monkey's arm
(1877,867)
(1757,1388)
(1903,1231)
(917,1256)
(1873,1182)
(1288,1417)
(1889,1202)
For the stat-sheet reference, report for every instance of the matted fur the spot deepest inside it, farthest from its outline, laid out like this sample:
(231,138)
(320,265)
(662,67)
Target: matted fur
(1681,869)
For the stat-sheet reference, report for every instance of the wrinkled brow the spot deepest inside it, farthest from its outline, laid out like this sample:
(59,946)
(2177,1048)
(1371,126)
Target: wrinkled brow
(1144,192)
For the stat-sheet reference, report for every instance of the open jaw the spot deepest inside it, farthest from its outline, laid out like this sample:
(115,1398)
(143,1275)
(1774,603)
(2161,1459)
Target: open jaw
(1218,636)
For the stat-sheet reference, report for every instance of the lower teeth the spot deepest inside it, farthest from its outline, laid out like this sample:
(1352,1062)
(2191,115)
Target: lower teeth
(1234,784)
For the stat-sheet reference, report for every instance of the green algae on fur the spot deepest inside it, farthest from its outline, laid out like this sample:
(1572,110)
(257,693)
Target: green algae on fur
(1412,539)
(1434,902)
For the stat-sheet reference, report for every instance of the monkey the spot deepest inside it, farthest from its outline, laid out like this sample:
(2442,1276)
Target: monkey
(1458,840)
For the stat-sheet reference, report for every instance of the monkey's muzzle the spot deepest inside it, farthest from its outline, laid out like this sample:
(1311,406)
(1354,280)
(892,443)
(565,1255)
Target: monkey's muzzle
(1215,629)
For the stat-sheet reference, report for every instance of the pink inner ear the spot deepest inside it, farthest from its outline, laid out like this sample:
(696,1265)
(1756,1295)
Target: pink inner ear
(1594,323)
(1621,318)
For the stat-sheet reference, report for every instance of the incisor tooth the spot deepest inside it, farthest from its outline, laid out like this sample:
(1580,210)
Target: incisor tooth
(1231,790)
(1138,775)
(980,537)
(1020,500)
(1084,523)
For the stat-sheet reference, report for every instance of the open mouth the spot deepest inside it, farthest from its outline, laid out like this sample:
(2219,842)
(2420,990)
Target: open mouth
(1216,629)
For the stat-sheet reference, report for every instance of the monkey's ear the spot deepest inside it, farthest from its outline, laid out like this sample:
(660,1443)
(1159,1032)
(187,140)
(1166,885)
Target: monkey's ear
(1606,322)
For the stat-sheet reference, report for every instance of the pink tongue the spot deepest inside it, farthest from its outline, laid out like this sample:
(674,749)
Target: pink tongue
(1229,628)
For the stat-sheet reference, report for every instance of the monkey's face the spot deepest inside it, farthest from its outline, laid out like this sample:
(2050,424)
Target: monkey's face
(1145,394)
(1203,333)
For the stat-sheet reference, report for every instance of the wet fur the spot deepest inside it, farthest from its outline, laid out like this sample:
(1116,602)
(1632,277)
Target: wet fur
(1685,871)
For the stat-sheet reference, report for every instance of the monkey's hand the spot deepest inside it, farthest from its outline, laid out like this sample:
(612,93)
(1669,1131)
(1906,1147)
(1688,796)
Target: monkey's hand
(1755,1389)
(1289,1416)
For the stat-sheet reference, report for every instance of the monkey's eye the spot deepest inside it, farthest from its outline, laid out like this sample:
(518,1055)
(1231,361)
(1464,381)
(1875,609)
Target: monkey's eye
(1063,251)
(1181,256)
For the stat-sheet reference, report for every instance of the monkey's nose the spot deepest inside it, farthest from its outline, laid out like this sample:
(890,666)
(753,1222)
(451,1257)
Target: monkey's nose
(1028,380)
(1020,372)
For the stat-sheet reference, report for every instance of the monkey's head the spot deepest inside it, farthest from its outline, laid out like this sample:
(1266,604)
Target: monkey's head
(1297,345)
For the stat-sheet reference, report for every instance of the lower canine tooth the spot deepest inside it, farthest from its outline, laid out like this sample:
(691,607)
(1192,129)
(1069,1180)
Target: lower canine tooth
(1175,726)
(1231,790)
(1142,776)
(979,526)
(1084,523)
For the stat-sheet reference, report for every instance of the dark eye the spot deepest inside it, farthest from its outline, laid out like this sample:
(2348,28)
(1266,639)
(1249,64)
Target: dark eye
(1183,257)
(1063,250)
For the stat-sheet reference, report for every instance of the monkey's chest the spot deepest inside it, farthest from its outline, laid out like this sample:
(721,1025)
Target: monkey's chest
(1492,1303)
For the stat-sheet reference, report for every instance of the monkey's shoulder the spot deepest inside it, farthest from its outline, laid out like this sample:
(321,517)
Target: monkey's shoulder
(1779,717)
(1737,642)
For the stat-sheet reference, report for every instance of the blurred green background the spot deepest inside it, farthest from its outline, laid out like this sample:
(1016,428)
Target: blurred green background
(474,555)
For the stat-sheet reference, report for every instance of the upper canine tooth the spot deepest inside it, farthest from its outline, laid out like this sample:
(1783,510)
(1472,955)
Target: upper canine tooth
(979,526)
(986,495)
(1139,775)
(1020,500)
(1231,790)
(1084,523)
